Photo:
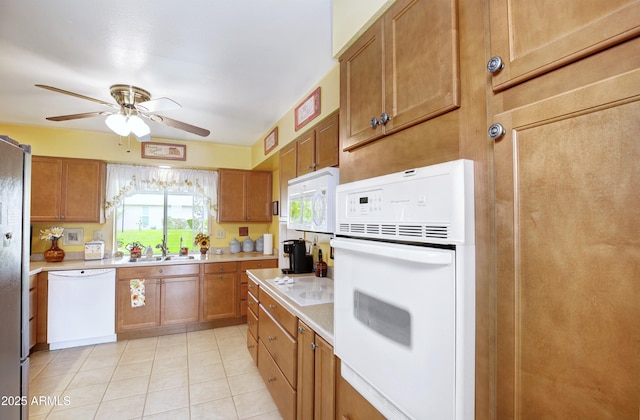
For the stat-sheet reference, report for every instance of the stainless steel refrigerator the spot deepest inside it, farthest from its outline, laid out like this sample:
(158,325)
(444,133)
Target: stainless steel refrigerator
(15,203)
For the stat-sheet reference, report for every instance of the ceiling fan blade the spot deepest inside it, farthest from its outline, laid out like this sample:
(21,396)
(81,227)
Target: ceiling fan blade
(158,105)
(77,95)
(77,116)
(179,124)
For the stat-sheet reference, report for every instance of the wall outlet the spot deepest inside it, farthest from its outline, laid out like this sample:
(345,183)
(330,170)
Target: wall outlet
(220,234)
(98,235)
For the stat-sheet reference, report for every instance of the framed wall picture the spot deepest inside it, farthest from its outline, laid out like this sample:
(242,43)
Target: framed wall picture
(151,150)
(271,141)
(73,236)
(308,109)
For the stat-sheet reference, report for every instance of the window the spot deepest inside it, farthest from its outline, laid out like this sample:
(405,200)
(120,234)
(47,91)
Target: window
(150,203)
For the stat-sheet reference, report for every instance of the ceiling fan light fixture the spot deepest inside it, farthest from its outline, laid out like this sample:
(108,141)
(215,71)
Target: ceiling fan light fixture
(118,124)
(138,127)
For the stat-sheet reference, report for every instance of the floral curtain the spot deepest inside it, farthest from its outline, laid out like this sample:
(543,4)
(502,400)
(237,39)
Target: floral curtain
(125,180)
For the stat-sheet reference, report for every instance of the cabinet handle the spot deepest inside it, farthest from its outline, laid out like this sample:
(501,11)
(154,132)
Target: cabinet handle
(271,380)
(270,338)
(496,131)
(160,270)
(495,64)
(272,306)
(314,346)
(259,265)
(384,118)
(374,122)
(300,330)
(157,281)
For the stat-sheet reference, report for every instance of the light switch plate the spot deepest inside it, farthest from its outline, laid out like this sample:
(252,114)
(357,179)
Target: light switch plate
(98,235)
(220,234)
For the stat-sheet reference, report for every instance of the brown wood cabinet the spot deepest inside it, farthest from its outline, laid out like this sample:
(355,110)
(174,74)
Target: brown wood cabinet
(172,294)
(567,182)
(244,196)
(320,147)
(283,394)
(562,34)
(403,70)
(288,170)
(220,291)
(244,278)
(316,376)
(67,190)
(252,319)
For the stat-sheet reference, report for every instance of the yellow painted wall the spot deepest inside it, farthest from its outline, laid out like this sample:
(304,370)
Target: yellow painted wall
(329,102)
(351,18)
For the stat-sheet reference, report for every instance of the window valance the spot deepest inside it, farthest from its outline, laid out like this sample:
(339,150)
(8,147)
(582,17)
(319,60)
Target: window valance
(126,180)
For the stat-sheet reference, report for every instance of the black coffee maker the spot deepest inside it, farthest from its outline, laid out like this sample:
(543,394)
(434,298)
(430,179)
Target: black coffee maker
(299,260)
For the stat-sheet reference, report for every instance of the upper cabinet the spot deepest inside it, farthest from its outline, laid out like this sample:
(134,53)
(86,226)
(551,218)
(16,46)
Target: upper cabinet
(401,71)
(244,196)
(564,31)
(67,190)
(319,148)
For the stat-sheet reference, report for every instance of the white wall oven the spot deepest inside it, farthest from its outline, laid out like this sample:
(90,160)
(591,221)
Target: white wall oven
(311,201)
(404,285)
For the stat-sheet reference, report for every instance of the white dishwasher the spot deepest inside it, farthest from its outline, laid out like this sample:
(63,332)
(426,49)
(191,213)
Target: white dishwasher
(81,307)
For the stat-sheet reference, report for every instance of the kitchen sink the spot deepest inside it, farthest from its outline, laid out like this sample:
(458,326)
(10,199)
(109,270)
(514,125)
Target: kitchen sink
(178,257)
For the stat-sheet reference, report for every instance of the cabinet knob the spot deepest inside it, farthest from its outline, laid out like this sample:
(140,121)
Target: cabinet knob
(270,338)
(495,64)
(374,122)
(271,380)
(314,346)
(496,131)
(300,330)
(384,118)
(160,270)
(272,306)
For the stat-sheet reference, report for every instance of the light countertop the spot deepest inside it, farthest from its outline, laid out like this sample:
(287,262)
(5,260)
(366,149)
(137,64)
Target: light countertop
(37,266)
(318,317)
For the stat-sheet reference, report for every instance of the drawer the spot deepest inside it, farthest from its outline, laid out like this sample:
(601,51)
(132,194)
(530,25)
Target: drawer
(252,303)
(33,302)
(253,287)
(282,315)
(282,393)
(252,346)
(252,323)
(282,346)
(159,271)
(248,265)
(223,267)
(33,281)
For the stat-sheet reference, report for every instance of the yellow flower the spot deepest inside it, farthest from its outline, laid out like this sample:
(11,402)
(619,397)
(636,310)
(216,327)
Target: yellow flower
(201,240)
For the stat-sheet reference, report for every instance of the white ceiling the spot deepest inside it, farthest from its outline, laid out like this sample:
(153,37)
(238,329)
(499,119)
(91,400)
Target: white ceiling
(235,66)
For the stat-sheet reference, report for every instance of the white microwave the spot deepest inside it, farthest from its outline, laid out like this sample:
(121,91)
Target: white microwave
(311,201)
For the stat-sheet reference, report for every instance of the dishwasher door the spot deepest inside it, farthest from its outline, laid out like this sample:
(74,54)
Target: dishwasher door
(81,307)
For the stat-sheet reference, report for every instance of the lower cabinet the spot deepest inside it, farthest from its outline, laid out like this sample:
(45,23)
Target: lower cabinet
(350,405)
(244,278)
(171,296)
(33,309)
(316,376)
(283,394)
(220,291)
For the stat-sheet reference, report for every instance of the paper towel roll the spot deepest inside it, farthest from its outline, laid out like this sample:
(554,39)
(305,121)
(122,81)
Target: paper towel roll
(268,244)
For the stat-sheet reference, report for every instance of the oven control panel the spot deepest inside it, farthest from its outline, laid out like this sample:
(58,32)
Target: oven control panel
(363,203)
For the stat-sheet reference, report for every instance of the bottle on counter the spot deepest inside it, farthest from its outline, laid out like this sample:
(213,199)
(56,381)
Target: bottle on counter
(321,266)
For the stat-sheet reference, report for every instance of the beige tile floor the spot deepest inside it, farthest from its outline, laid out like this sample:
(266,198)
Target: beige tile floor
(198,375)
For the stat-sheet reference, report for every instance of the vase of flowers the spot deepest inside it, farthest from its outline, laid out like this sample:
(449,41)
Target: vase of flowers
(203,242)
(135,249)
(53,234)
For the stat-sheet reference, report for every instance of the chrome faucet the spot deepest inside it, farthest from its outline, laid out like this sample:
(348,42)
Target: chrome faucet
(163,246)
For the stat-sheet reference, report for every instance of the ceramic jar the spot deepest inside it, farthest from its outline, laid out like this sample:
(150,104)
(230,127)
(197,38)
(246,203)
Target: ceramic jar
(248,245)
(234,246)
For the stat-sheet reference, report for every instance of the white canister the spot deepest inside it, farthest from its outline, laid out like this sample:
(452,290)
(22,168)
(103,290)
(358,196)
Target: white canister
(234,246)
(248,245)
(260,244)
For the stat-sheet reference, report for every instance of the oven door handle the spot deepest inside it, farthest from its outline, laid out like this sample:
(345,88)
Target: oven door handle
(411,253)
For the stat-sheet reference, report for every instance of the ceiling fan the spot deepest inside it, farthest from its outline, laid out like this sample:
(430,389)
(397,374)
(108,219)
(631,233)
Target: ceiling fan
(131,103)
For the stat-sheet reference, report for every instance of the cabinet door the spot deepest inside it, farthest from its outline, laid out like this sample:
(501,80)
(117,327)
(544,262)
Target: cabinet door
(231,195)
(82,186)
(324,381)
(421,61)
(361,89)
(220,296)
(306,153)
(130,318)
(180,299)
(258,196)
(534,37)
(288,165)
(46,193)
(328,142)
(567,182)
(306,368)
(350,404)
